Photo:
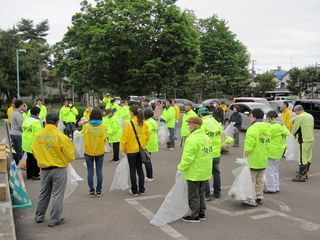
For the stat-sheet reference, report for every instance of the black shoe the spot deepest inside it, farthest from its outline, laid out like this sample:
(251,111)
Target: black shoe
(99,194)
(36,178)
(91,194)
(217,195)
(207,198)
(60,222)
(259,201)
(202,217)
(298,179)
(191,219)
(38,220)
(269,192)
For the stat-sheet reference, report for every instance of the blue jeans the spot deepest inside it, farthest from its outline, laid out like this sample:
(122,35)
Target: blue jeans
(171,143)
(17,146)
(216,178)
(99,164)
(149,169)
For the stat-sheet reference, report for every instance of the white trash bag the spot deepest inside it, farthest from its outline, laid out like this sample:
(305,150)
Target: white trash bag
(291,153)
(175,206)
(163,133)
(107,147)
(229,131)
(242,188)
(78,143)
(61,126)
(72,181)
(121,176)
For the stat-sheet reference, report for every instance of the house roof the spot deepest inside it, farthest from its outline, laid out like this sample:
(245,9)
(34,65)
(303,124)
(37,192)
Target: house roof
(280,74)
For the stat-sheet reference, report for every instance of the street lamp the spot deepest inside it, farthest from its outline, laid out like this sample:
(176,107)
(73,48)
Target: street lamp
(18,80)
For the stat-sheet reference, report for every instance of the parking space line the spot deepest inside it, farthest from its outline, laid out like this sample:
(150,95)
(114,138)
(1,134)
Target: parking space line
(170,231)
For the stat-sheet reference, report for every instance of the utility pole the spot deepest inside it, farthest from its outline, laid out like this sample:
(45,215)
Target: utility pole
(253,72)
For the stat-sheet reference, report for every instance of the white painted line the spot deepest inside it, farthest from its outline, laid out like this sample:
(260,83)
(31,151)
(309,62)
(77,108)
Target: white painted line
(170,231)
(283,207)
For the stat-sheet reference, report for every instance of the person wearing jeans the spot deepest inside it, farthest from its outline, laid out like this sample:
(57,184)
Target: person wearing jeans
(216,180)
(169,117)
(153,142)
(16,130)
(130,146)
(95,137)
(237,119)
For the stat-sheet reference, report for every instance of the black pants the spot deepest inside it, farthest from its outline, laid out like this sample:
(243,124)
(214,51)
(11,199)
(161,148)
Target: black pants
(135,166)
(196,197)
(32,166)
(149,169)
(116,147)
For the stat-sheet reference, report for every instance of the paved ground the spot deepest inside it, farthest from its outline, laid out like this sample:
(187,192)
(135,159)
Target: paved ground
(292,214)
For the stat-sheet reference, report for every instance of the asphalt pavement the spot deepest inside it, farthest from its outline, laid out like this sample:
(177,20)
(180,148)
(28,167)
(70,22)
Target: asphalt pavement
(292,214)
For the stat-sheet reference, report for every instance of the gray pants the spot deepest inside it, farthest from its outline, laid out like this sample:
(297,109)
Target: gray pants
(53,185)
(196,197)
(236,137)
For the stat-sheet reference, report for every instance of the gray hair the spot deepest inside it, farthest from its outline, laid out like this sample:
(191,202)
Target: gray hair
(298,108)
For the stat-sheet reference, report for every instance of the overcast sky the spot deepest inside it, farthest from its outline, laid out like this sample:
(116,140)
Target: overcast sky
(277,32)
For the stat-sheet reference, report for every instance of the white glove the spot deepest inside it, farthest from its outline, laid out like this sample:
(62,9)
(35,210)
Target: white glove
(178,174)
(177,121)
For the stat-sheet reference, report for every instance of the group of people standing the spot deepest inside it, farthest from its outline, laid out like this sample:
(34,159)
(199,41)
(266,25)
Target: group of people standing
(132,128)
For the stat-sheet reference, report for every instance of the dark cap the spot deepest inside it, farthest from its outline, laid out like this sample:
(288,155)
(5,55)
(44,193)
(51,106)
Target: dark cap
(52,118)
(195,120)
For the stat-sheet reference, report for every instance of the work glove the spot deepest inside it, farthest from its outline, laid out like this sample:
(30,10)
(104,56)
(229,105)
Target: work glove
(178,174)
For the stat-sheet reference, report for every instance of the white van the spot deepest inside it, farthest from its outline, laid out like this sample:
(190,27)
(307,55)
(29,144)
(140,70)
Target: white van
(252,99)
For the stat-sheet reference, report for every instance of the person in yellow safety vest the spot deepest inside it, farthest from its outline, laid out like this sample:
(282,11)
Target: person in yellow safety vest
(107,101)
(87,112)
(115,107)
(53,151)
(43,110)
(95,137)
(214,131)
(177,109)
(130,146)
(30,127)
(196,167)
(68,114)
(124,112)
(169,117)
(303,130)
(184,126)
(112,123)
(153,141)
(9,112)
(25,113)
(256,146)
(286,115)
(224,107)
(277,146)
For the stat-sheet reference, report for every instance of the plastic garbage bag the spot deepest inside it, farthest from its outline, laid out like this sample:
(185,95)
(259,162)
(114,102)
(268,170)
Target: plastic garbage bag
(19,196)
(78,143)
(107,147)
(291,153)
(61,126)
(242,188)
(229,131)
(72,181)
(228,141)
(175,205)
(23,162)
(163,133)
(121,175)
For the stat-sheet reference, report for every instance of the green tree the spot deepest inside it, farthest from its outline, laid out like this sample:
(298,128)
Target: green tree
(222,55)
(130,47)
(264,82)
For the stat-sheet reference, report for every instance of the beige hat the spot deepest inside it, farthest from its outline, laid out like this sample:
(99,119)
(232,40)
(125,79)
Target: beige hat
(195,120)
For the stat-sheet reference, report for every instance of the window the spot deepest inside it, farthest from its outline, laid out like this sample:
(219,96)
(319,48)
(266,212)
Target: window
(316,107)
(306,105)
(244,109)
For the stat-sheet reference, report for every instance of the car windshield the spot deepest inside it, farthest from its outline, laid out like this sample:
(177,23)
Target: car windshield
(263,107)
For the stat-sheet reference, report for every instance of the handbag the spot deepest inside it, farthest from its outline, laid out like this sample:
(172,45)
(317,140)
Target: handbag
(145,156)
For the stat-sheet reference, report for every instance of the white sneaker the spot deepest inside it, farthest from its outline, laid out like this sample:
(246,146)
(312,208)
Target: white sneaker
(171,149)
(149,179)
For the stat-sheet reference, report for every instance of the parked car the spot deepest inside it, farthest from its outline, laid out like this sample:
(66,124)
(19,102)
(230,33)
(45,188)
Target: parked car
(312,107)
(245,111)
(275,105)
(182,101)
(252,99)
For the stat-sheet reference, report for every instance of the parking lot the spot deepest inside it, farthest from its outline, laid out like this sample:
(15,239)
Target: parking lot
(291,214)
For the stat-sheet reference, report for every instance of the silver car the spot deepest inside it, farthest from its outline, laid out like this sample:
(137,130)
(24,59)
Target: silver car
(245,111)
